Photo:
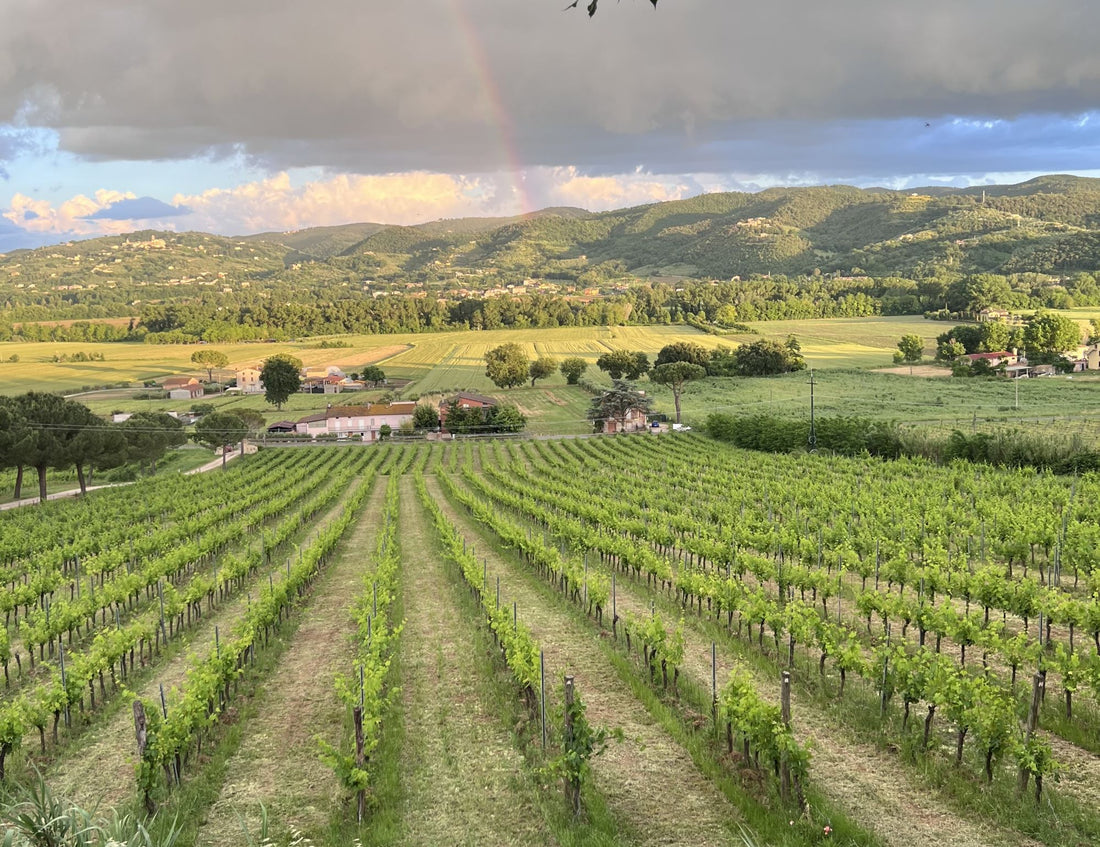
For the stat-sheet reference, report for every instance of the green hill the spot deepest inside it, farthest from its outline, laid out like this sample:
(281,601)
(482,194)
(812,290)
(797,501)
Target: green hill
(1042,226)
(319,242)
(1048,225)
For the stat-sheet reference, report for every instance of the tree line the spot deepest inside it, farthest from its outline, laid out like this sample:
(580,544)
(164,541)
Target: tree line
(40,432)
(281,313)
(677,364)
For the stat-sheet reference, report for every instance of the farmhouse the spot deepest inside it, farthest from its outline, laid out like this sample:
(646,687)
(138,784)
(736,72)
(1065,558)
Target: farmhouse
(328,384)
(327,380)
(362,421)
(312,425)
(248,381)
(1001,357)
(465,400)
(183,388)
(1085,358)
(634,421)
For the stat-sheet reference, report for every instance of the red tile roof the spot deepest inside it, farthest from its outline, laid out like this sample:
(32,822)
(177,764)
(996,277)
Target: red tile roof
(1003,354)
(402,408)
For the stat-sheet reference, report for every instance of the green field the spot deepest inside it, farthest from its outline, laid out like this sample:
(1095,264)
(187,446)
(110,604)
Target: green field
(892,397)
(845,354)
(443,361)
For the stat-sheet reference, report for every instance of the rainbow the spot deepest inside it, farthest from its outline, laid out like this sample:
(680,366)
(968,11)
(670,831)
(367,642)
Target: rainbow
(482,68)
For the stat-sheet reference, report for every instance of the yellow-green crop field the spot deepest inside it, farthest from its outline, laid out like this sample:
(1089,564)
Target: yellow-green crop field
(846,353)
(443,361)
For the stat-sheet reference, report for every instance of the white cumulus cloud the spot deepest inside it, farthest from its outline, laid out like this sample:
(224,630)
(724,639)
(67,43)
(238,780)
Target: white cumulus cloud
(68,217)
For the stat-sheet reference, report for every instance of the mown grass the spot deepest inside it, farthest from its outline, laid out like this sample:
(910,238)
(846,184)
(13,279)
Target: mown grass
(944,404)
(493,688)
(135,362)
(202,785)
(295,407)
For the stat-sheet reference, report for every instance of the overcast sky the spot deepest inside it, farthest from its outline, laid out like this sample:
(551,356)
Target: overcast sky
(250,115)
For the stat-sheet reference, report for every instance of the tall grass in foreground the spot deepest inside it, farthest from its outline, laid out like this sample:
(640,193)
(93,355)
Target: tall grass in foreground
(33,816)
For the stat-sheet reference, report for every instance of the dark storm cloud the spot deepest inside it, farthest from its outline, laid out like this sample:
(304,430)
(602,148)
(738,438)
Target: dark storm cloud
(475,85)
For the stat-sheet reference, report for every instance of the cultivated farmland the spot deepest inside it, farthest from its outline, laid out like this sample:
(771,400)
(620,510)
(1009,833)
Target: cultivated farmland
(942,649)
(428,356)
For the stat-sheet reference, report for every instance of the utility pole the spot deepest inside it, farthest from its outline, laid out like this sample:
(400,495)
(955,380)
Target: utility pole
(812,441)
(1017,381)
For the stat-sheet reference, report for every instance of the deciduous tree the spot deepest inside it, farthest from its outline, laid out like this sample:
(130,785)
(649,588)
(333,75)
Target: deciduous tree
(280,376)
(765,358)
(373,374)
(674,375)
(542,367)
(949,350)
(506,417)
(1048,332)
(462,420)
(997,336)
(683,351)
(910,350)
(722,362)
(622,364)
(425,417)
(210,359)
(507,365)
(573,368)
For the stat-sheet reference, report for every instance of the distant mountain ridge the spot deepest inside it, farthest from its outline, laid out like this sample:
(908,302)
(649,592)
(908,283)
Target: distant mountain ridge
(324,241)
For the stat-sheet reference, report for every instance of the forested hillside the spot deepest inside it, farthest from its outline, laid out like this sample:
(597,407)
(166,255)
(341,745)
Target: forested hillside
(779,253)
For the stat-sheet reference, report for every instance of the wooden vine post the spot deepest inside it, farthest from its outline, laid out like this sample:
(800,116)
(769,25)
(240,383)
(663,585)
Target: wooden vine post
(785,714)
(142,735)
(572,785)
(140,727)
(360,761)
(1037,686)
(542,695)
